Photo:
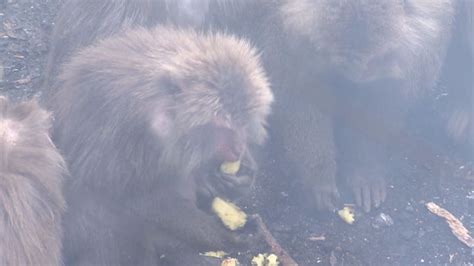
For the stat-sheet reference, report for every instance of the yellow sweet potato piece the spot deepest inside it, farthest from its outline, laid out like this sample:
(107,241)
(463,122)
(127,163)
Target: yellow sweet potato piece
(231,215)
(347,214)
(230,168)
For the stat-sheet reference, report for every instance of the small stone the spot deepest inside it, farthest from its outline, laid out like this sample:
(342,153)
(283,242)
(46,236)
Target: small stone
(382,220)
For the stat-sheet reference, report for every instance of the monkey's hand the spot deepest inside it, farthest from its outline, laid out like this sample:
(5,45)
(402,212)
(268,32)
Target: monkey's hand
(229,185)
(185,221)
(324,193)
(307,141)
(368,186)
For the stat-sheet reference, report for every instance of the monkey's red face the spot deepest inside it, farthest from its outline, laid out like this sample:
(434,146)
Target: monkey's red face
(229,144)
(218,143)
(221,145)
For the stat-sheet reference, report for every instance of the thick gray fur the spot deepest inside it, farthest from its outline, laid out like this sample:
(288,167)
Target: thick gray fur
(31,177)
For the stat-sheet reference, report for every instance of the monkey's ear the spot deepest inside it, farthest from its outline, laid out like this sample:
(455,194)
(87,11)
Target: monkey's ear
(162,122)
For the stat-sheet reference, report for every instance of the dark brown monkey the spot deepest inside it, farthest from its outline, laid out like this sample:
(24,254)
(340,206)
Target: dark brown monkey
(333,62)
(31,175)
(144,119)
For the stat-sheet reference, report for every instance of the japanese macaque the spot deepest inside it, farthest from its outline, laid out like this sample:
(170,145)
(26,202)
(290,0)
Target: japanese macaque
(31,176)
(145,120)
(337,67)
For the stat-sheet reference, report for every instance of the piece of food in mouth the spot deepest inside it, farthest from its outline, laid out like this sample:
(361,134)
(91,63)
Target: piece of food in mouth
(230,214)
(230,168)
(347,214)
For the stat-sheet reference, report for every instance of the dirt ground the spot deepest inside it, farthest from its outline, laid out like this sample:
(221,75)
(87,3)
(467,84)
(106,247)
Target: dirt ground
(414,236)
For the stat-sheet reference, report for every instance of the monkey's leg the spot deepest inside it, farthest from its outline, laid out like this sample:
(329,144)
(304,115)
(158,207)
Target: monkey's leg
(305,137)
(97,234)
(368,123)
(362,165)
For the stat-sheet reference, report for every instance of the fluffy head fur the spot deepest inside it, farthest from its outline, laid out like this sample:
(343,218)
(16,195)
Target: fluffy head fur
(139,96)
(31,174)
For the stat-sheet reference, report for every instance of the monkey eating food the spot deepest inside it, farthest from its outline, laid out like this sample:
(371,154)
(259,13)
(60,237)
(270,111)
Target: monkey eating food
(145,119)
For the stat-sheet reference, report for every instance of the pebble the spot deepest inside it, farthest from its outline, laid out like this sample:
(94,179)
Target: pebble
(382,220)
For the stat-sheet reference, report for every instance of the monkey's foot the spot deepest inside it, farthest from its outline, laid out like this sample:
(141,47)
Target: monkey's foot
(369,189)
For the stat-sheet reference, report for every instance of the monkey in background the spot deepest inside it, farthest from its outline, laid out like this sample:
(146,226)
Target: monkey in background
(82,22)
(334,64)
(31,176)
(144,119)
(457,81)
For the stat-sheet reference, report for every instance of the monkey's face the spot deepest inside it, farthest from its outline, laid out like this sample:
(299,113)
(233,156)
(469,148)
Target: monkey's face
(209,127)
(366,40)
(216,105)
(223,145)
(199,153)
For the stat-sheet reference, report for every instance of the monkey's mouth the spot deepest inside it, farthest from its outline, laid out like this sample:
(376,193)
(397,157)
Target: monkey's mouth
(243,177)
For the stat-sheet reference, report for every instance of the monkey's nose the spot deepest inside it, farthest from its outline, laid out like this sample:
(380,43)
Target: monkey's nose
(233,152)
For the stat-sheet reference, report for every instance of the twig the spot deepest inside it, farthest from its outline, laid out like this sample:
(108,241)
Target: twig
(456,226)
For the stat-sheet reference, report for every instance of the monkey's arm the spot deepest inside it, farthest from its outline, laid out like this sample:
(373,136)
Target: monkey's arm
(306,138)
(182,219)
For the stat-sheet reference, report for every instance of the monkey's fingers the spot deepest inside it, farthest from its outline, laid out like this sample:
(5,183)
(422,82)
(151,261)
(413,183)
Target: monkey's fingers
(357,191)
(327,199)
(366,198)
(362,197)
(369,189)
(379,194)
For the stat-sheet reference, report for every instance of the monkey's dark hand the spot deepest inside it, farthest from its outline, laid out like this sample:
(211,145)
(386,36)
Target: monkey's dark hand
(306,138)
(182,219)
(229,186)
(368,186)
(325,194)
